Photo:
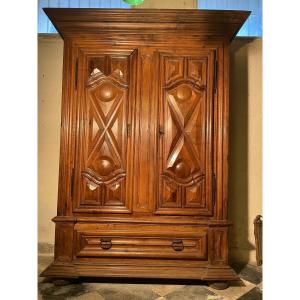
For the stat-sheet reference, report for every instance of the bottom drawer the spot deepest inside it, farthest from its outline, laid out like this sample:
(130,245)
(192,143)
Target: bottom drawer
(151,241)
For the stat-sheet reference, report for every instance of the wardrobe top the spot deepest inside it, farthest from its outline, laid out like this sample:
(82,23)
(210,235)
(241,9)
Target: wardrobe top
(208,22)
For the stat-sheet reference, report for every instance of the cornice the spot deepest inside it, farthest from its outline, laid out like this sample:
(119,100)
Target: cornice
(70,21)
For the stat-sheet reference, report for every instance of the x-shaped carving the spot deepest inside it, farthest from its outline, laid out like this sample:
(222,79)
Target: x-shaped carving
(105,123)
(184,125)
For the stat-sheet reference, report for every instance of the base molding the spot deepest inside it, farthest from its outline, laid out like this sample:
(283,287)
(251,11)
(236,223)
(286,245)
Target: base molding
(219,285)
(207,273)
(60,270)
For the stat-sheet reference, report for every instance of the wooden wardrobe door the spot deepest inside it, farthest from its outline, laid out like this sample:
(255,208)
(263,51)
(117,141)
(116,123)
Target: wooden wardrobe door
(105,96)
(185,133)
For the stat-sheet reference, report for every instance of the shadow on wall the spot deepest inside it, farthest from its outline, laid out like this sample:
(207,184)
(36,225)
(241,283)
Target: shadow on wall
(238,159)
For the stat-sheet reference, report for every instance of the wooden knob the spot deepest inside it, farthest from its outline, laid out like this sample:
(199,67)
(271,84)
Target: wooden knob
(177,245)
(105,243)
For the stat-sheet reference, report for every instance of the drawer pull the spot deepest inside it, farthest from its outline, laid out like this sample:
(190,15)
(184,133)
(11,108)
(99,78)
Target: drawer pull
(177,245)
(105,244)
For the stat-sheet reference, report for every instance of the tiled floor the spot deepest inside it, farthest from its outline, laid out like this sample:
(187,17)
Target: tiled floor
(249,288)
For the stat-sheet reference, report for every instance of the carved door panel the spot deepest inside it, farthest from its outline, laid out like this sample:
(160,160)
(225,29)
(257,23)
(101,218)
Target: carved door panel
(105,94)
(185,133)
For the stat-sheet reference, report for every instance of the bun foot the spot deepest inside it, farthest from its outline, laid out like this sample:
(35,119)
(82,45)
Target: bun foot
(219,285)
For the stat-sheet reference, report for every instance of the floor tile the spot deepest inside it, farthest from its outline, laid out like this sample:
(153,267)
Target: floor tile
(127,292)
(94,286)
(260,286)
(216,297)
(235,289)
(252,274)
(50,297)
(50,291)
(165,289)
(254,294)
(88,296)
(44,286)
(190,293)
(157,289)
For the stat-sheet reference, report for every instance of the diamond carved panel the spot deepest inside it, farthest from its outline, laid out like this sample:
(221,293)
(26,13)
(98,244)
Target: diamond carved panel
(105,164)
(184,166)
(105,93)
(184,114)
(184,108)
(184,182)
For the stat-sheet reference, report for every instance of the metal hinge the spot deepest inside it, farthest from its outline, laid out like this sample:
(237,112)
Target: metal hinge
(76,73)
(72,181)
(215,73)
(214,189)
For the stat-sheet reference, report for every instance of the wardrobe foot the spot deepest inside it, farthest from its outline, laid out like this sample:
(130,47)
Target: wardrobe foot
(219,285)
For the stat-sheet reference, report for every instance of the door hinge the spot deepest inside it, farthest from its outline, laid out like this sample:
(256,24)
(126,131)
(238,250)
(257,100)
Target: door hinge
(215,73)
(72,182)
(76,73)
(214,189)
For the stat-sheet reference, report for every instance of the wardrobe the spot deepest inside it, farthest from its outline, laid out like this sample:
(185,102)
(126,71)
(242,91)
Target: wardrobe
(143,166)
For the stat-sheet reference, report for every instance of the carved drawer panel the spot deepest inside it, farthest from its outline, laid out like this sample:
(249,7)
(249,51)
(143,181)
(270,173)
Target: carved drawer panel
(148,242)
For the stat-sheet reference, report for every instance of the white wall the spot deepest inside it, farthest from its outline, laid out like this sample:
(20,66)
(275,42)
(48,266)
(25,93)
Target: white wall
(245,162)
(50,59)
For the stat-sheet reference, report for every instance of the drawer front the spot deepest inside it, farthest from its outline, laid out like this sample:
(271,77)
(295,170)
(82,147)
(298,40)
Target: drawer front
(148,242)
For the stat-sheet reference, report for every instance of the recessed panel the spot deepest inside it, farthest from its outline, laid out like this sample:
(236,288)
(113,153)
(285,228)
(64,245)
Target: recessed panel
(103,147)
(185,115)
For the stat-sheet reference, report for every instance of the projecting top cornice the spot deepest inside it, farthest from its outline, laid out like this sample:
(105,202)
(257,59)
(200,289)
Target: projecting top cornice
(222,23)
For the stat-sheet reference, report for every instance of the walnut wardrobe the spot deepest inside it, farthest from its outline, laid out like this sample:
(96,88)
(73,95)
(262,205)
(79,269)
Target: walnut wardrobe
(144,143)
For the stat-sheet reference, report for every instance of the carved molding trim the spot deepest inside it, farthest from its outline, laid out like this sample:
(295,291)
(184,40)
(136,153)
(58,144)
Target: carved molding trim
(192,83)
(188,181)
(115,77)
(64,219)
(107,180)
